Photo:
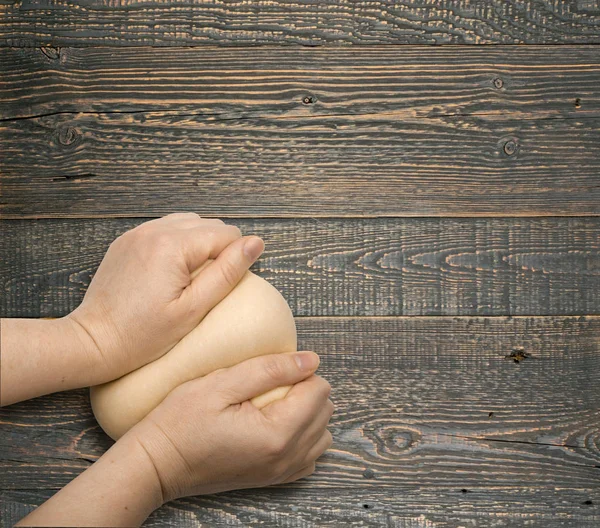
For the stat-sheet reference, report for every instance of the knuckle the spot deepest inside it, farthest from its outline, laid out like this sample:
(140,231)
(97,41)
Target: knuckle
(329,437)
(236,230)
(324,386)
(277,446)
(229,274)
(162,241)
(273,368)
(331,408)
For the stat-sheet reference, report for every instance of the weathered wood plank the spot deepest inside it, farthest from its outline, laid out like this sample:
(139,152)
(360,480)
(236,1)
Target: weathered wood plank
(416,81)
(418,507)
(345,267)
(420,402)
(171,23)
(139,165)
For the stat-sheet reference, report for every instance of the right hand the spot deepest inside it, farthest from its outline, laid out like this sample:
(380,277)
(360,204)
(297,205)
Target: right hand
(207,437)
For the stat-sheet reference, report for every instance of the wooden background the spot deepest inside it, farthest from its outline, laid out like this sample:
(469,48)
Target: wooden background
(426,176)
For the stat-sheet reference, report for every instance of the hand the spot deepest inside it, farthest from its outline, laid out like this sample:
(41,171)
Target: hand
(206,436)
(143,299)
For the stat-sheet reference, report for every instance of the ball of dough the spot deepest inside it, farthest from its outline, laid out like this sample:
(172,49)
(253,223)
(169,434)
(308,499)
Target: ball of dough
(253,320)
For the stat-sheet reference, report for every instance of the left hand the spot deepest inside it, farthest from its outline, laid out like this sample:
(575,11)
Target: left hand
(143,299)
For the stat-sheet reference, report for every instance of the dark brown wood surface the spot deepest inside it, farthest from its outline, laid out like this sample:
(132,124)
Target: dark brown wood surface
(379,147)
(168,23)
(228,83)
(342,267)
(497,426)
(431,214)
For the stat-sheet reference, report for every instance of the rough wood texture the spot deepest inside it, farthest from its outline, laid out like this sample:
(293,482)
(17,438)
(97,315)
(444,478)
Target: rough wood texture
(407,508)
(137,165)
(170,23)
(341,267)
(229,83)
(424,407)
(344,153)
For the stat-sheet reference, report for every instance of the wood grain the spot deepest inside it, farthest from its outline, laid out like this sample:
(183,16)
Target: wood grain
(138,165)
(346,267)
(408,508)
(172,23)
(307,132)
(424,405)
(230,83)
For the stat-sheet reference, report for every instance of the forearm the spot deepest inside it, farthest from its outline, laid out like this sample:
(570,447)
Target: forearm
(120,489)
(41,356)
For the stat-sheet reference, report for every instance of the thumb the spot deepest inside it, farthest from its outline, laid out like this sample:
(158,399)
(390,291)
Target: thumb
(216,279)
(260,374)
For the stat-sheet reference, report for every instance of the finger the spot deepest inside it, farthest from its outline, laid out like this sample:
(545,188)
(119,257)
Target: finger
(320,446)
(205,241)
(230,264)
(302,403)
(304,472)
(260,374)
(211,221)
(169,221)
(320,421)
(176,219)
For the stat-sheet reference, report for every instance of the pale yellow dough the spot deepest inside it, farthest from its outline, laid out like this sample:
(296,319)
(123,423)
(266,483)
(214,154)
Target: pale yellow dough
(253,320)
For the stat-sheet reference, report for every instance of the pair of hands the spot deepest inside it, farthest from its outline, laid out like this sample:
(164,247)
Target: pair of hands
(141,302)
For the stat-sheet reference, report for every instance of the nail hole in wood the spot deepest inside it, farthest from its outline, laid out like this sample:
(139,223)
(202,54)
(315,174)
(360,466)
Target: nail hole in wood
(587,502)
(366,506)
(490,414)
(578,103)
(518,354)
(464,490)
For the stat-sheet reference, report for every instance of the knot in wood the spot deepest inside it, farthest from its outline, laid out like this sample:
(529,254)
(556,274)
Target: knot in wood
(498,83)
(510,147)
(308,99)
(394,442)
(51,52)
(67,135)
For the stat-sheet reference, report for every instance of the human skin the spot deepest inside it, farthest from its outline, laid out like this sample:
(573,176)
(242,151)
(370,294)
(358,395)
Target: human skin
(140,303)
(223,443)
(254,319)
(143,299)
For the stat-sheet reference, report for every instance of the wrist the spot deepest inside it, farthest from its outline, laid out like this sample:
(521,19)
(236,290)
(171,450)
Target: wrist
(83,341)
(41,356)
(171,471)
(144,477)
(120,489)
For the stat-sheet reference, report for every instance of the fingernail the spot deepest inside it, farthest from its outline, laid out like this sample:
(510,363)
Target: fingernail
(307,360)
(253,247)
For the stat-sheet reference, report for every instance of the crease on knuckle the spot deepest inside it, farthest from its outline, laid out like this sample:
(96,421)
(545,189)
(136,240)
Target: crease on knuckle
(273,369)
(229,274)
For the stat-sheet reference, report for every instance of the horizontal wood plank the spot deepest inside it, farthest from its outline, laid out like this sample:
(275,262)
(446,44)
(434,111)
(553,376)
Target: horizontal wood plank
(414,81)
(346,267)
(173,23)
(137,165)
(425,407)
(408,508)
(314,133)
